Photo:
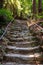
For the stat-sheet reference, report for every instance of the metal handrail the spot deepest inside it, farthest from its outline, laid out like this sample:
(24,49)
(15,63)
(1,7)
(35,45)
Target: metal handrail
(3,36)
(6,29)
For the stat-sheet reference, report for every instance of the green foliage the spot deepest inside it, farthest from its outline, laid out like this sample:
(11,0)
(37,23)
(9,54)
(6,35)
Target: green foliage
(26,7)
(20,7)
(42,4)
(39,16)
(41,23)
(5,16)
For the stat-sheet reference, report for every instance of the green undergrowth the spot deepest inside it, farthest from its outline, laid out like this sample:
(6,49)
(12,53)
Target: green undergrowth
(41,24)
(5,16)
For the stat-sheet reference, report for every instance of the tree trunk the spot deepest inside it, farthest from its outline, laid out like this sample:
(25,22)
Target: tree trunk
(34,6)
(39,6)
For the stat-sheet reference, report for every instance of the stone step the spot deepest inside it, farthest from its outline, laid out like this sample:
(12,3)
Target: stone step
(23,44)
(31,42)
(24,57)
(19,60)
(19,33)
(18,51)
(16,29)
(22,51)
(22,48)
(13,34)
(21,38)
(14,63)
(24,37)
(16,26)
(15,39)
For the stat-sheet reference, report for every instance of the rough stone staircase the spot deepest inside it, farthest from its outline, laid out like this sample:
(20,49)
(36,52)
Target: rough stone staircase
(21,48)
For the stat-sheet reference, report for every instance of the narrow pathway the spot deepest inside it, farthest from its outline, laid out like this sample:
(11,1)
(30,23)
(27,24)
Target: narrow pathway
(21,48)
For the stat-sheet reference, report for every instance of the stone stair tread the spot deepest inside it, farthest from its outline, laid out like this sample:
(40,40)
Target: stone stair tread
(28,37)
(13,35)
(22,48)
(25,32)
(27,42)
(16,29)
(21,39)
(22,43)
(11,38)
(19,35)
(37,55)
(12,32)
(13,63)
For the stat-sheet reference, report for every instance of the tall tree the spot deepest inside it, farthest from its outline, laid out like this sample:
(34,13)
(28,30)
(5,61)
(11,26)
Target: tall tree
(39,6)
(34,6)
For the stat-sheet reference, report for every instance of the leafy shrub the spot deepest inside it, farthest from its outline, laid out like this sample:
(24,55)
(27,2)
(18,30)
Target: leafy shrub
(5,16)
(39,16)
